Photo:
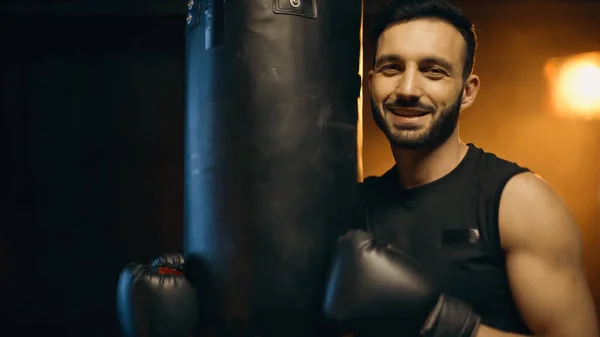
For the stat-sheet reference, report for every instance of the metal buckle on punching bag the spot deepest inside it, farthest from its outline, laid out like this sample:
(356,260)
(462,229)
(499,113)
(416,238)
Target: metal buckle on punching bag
(304,8)
(214,20)
(192,18)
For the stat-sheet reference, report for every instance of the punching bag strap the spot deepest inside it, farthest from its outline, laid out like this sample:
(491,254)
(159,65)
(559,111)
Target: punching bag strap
(214,23)
(304,8)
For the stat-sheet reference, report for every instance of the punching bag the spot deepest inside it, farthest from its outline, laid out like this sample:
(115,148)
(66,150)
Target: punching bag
(271,157)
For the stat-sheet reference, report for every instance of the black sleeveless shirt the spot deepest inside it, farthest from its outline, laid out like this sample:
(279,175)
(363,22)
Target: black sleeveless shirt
(451,227)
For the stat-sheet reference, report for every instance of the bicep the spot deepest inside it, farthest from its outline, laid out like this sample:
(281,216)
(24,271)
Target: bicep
(543,260)
(554,299)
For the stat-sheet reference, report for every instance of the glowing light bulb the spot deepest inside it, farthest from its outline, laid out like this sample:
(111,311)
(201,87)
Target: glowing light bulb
(576,86)
(579,87)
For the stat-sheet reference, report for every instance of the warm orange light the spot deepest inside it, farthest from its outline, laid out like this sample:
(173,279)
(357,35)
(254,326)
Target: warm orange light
(359,134)
(575,85)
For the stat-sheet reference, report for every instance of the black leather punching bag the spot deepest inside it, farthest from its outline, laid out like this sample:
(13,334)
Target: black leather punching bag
(271,160)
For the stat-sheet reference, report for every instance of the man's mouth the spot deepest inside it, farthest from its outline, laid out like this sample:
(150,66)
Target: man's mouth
(408,112)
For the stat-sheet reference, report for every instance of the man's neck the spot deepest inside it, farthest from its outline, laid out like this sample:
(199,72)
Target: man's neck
(421,166)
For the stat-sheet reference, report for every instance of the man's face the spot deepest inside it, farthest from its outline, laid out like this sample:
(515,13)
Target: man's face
(417,83)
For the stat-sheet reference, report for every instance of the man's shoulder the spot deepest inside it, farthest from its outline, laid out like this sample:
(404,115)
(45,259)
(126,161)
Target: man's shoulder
(528,206)
(531,189)
(531,208)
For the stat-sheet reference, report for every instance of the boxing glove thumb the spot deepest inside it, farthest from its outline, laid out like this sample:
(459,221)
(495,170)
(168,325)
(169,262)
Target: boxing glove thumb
(156,300)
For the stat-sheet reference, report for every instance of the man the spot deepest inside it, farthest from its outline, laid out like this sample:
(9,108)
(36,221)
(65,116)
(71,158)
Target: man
(500,244)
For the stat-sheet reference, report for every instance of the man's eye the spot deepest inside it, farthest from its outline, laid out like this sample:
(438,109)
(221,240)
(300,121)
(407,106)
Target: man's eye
(390,68)
(435,73)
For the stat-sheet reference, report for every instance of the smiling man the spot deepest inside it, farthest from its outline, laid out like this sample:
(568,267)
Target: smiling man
(475,245)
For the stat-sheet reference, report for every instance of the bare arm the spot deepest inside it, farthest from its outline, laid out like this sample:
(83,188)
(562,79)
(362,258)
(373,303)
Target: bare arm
(543,261)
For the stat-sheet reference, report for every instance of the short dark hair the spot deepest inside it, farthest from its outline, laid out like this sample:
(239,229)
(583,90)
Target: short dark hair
(398,11)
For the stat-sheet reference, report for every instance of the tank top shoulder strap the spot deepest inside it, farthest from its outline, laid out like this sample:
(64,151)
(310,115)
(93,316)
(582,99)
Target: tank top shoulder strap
(490,174)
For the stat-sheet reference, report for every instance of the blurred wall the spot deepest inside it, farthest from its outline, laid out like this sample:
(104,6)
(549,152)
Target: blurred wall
(510,116)
(91,125)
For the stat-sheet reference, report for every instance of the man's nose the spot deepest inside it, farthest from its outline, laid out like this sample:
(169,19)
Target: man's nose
(408,86)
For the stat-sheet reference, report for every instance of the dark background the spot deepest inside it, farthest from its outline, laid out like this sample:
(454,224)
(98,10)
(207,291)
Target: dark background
(91,127)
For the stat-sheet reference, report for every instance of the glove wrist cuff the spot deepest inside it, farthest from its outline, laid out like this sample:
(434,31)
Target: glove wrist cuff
(451,318)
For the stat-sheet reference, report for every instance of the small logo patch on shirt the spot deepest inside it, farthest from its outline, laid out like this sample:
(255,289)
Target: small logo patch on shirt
(458,236)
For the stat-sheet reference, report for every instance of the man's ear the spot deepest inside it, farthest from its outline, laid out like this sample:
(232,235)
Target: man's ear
(470,90)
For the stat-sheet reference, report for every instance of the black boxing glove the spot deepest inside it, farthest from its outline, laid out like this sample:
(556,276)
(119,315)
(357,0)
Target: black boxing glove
(156,300)
(371,281)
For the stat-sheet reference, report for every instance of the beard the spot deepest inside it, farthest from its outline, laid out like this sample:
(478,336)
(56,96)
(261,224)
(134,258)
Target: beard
(435,133)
